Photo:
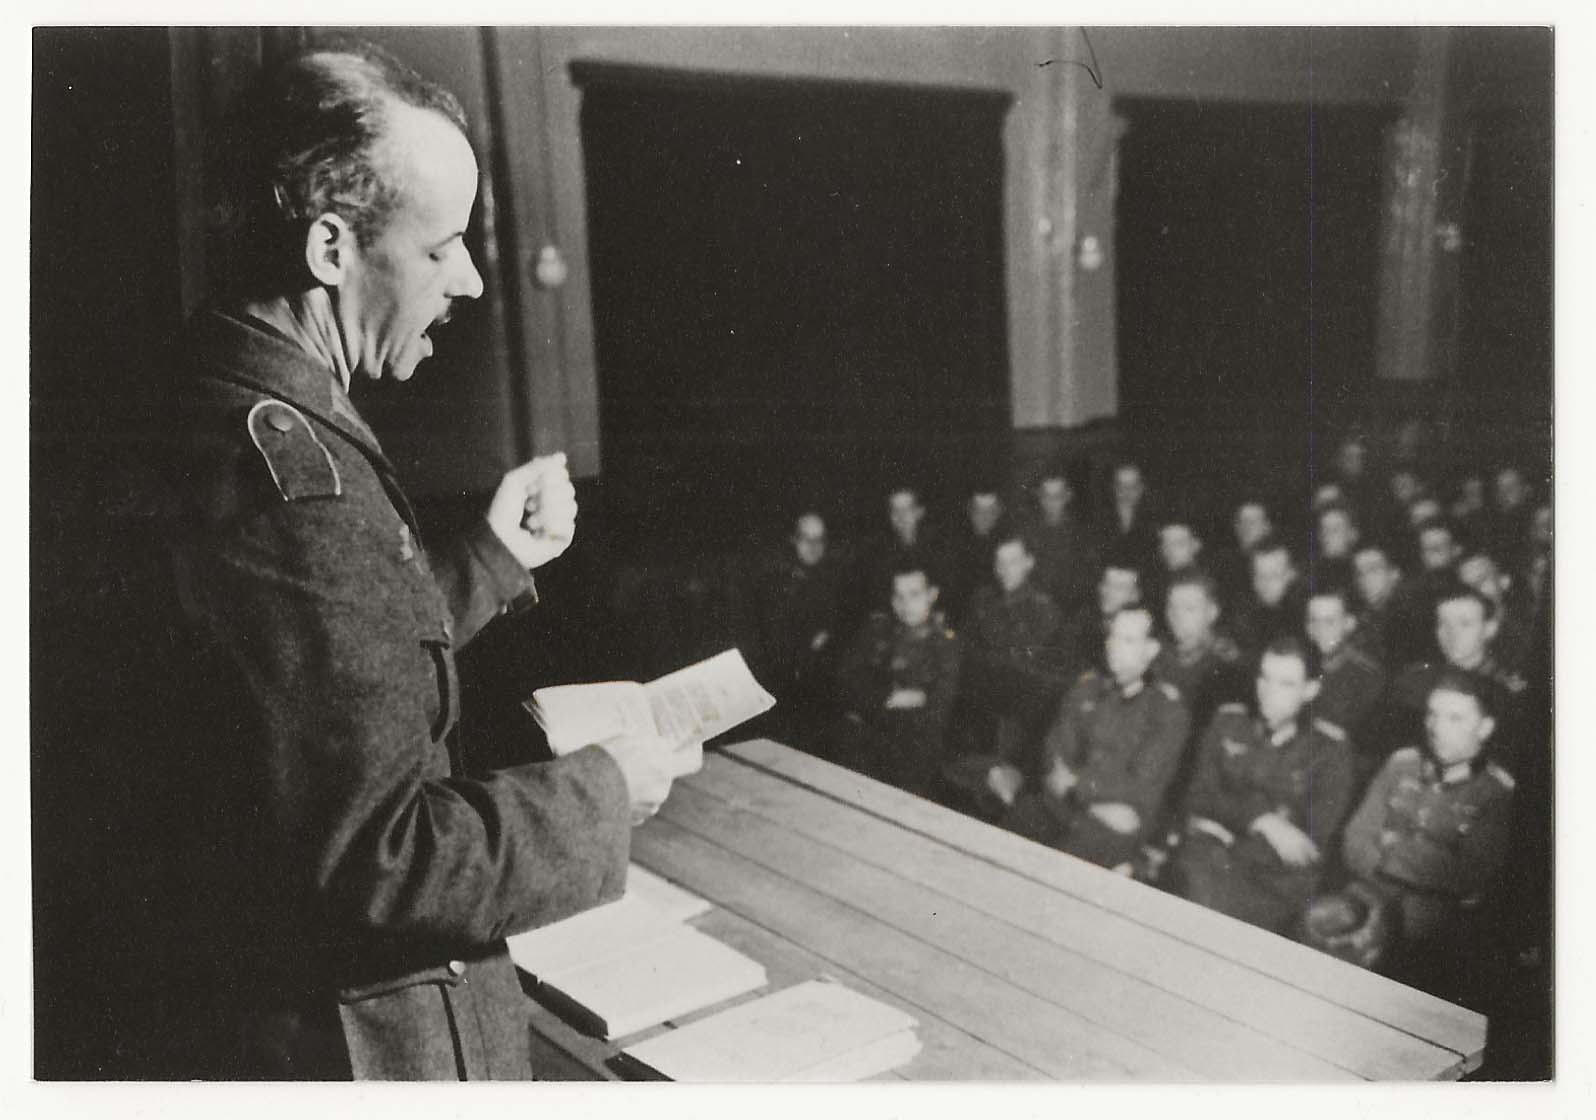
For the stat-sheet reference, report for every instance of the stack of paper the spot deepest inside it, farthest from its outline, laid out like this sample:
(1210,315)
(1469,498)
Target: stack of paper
(663,895)
(817,1031)
(620,968)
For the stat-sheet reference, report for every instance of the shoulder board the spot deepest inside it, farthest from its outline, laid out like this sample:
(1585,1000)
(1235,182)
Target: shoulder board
(1330,730)
(300,464)
(947,632)
(1169,690)
(1231,709)
(1359,657)
(1501,775)
(1226,650)
(1406,755)
(1090,676)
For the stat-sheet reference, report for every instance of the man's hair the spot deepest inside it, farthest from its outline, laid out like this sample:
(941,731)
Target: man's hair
(1011,535)
(306,140)
(1456,591)
(1194,577)
(1122,557)
(1177,520)
(1137,608)
(910,568)
(1342,507)
(908,488)
(1335,591)
(1469,684)
(1376,544)
(1290,645)
(1269,545)
(1431,524)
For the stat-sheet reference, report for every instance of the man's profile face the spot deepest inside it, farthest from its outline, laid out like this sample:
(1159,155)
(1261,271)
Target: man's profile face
(1463,632)
(1119,587)
(1191,615)
(984,511)
(1283,688)
(913,596)
(405,281)
(1511,489)
(1329,623)
(1437,549)
(1053,498)
(1252,524)
(1272,573)
(1128,486)
(809,539)
(1012,565)
(1178,546)
(1456,727)
(1375,574)
(1130,646)
(905,512)
(1337,534)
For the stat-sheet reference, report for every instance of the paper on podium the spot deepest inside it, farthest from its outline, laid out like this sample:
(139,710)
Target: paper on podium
(664,896)
(628,925)
(815,1031)
(665,979)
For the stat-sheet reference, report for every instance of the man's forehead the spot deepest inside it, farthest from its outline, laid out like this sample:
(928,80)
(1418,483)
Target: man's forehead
(434,160)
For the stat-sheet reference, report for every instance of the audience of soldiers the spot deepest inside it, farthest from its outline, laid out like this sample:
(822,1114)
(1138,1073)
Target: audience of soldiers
(1318,738)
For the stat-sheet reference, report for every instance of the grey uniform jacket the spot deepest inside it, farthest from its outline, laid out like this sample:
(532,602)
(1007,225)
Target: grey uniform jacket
(365,881)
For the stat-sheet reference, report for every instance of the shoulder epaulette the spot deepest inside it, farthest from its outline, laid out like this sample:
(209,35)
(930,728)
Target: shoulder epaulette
(300,464)
(1169,690)
(1407,754)
(1330,730)
(1232,708)
(1501,775)
(1226,650)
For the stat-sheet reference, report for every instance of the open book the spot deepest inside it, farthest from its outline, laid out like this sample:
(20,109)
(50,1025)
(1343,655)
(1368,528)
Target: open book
(695,703)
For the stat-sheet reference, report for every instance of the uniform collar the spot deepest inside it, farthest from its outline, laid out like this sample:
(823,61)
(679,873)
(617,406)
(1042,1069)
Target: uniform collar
(1132,690)
(252,353)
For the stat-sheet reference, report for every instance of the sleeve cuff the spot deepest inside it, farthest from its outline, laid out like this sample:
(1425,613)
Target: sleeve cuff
(512,583)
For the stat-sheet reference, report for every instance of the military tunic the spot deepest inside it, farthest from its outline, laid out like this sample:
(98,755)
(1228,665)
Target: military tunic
(362,881)
(1438,846)
(903,746)
(1304,774)
(1400,717)
(1123,745)
(1350,689)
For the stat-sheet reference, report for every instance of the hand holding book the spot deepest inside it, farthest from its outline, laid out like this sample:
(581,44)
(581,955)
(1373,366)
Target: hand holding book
(650,763)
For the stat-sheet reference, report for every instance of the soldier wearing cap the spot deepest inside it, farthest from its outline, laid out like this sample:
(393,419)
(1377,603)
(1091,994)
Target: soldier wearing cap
(348,876)
(898,681)
(1109,756)
(1271,786)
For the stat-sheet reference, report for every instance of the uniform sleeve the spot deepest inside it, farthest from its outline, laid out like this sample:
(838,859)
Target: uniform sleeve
(341,679)
(1210,796)
(1142,782)
(861,683)
(1484,850)
(1066,734)
(480,579)
(1360,844)
(939,702)
(1329,793)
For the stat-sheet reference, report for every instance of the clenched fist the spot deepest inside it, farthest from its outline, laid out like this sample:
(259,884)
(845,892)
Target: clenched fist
(534,510)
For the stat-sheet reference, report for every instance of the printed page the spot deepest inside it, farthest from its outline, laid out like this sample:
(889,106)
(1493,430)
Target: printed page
(663,895)
(707,699)
(576,715)
(594,936)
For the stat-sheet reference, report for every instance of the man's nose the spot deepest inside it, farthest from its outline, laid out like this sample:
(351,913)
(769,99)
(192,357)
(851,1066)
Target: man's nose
(467,281)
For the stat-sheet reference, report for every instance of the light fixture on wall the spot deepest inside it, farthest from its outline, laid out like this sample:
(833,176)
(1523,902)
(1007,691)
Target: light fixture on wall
(550,271)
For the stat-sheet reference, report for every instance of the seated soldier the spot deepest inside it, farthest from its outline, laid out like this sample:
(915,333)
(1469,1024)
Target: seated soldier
(1067,551)
(1232,567)
(1512,508)
(1392,628)
(1438,550)
(897,683)
(795,606)
(1271,787)
(1274,609)
(1180,549)
(1203,664)
(1353,681)
(1515,610)
(970,550)
(1465,628)
(1425,849)
(1011,681)
(908,542)
(1109,756)
(1336,539)
(1119,585)
(1132,524)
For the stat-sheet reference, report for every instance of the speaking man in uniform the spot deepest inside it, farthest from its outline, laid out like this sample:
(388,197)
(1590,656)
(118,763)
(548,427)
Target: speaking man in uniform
(349,882)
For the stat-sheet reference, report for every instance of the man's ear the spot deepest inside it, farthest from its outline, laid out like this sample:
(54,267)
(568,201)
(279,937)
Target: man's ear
(329,243)
(1487,728)
(1311,692)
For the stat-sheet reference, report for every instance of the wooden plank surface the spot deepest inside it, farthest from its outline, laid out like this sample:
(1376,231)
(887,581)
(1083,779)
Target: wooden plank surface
(1182,1030)
(1426,1022)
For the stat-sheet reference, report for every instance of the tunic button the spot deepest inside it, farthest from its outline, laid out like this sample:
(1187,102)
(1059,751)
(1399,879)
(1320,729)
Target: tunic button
(279,421)
(457,968)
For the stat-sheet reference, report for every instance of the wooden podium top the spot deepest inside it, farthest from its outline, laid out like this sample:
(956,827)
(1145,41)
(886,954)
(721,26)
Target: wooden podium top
(1020,963)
